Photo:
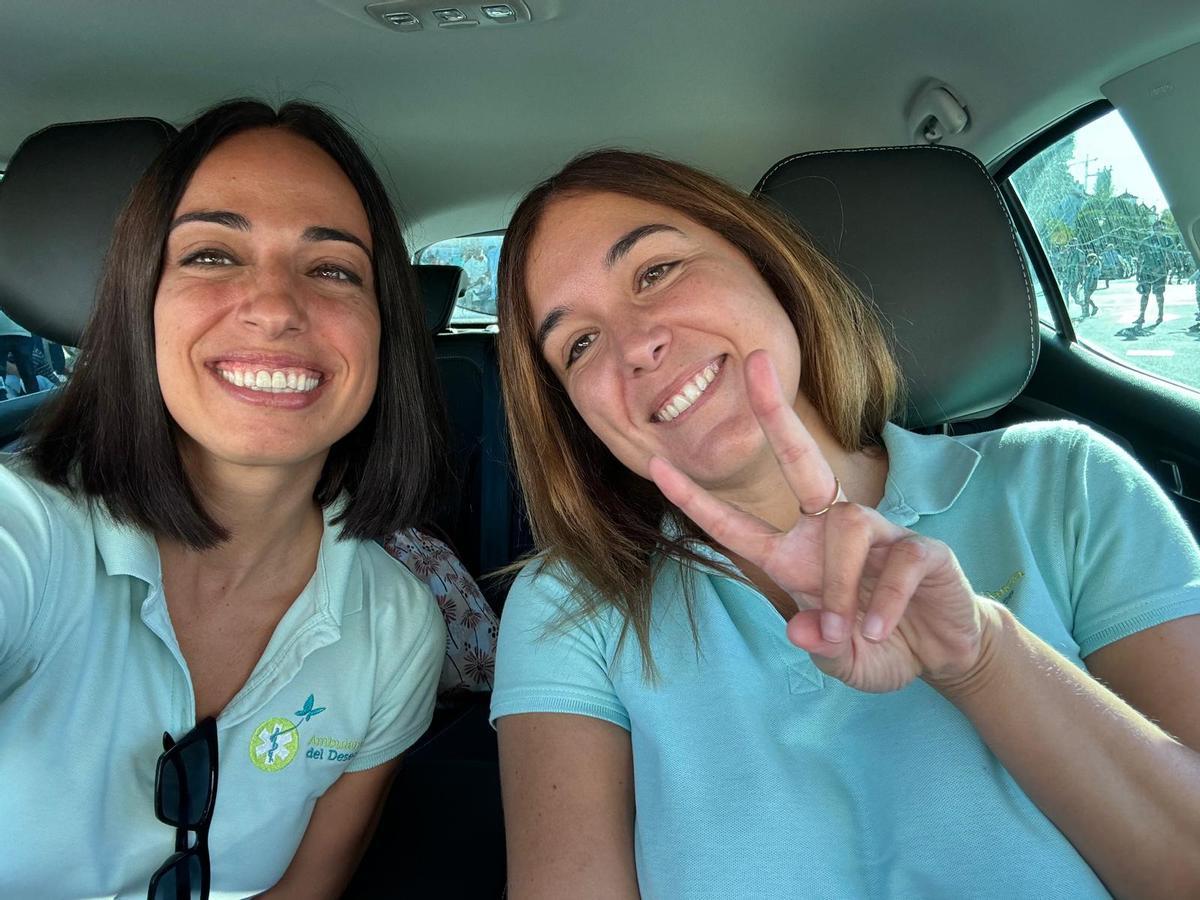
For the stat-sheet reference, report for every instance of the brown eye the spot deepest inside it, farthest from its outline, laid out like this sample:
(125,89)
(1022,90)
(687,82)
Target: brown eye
(336,273)
(652,275)
(578,347)
(207,257)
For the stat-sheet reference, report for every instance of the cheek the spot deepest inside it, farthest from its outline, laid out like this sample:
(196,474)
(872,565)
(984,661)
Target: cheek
(598,402)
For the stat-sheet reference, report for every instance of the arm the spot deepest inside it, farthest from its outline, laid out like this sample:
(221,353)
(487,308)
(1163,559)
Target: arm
(567,784)
(30,550)
(1157,671)
(1123,791)
(338,833)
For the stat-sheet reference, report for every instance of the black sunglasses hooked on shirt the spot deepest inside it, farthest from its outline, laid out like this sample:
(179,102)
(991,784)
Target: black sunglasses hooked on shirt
(185,792)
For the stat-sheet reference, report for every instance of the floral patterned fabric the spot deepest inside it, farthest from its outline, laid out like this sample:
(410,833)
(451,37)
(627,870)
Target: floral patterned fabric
(471,626)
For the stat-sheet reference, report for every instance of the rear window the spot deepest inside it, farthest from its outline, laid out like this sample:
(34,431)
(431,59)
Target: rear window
(478,257)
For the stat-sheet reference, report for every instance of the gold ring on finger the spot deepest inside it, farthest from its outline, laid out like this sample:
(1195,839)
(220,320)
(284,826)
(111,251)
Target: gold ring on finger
(838,496)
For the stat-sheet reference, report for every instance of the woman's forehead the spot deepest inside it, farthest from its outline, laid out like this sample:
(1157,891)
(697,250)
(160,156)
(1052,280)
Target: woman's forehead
(581,235)
(273,170)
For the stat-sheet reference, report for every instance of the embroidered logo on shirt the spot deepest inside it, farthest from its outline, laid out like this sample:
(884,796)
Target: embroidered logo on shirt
(1006,591)
(276,742)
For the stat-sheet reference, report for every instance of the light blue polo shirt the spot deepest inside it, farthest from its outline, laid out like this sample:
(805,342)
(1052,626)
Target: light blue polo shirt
(758,776)
(91,675)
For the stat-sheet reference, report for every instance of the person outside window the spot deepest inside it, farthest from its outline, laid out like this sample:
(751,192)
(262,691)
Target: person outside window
(17,342)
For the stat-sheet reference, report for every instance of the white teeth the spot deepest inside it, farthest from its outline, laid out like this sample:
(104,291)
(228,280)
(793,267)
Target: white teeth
(274,382)
(688,394)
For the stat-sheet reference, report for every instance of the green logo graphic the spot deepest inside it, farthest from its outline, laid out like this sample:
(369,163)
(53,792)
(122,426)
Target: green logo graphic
(276,742)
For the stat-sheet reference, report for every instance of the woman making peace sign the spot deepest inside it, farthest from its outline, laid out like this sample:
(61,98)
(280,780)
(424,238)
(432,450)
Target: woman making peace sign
(755,657)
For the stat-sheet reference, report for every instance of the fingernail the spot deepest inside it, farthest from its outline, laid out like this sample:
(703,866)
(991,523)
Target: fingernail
(872,627)
(833,627)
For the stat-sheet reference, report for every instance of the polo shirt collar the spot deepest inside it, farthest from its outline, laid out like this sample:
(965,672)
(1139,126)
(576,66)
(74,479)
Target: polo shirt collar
(131,551)
(926,473)
(125,549)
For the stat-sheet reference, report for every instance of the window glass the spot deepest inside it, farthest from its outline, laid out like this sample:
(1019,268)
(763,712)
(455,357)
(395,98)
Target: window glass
(1128,278)
(1039,292)
(27,362)
(478,256)
(30,363)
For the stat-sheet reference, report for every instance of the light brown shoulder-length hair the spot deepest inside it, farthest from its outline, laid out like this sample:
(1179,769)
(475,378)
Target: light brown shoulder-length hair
(595,523)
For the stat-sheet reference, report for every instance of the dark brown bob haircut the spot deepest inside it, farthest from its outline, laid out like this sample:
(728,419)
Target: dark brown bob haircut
(599,525)
(110,436)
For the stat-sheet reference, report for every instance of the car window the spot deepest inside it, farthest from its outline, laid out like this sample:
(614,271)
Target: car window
(478,256)
(1127,276)
(30,363)
(27,362)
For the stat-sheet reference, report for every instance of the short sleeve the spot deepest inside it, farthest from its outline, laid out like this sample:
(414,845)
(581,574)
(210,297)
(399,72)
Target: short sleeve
(26,550)
(403,707)
(1135,563)
(547,661)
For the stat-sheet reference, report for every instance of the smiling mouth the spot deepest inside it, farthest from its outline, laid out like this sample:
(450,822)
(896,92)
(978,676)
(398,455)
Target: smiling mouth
(689,393)
(271,381)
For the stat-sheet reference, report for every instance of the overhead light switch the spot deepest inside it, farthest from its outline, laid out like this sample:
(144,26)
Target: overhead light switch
(402,21)
(500,12)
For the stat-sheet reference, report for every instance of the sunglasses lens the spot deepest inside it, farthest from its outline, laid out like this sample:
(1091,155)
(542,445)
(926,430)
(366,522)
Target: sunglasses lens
(185,780)
(180,881)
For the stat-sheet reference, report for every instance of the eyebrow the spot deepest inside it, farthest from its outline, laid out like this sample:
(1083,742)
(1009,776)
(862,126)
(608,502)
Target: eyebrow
(216,216)
(625,243)
(313,234)
(550,323)
(615,254)
(323,233)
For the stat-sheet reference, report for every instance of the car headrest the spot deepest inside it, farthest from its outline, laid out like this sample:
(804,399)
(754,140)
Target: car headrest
(441,287)
(59,198)
(923,233)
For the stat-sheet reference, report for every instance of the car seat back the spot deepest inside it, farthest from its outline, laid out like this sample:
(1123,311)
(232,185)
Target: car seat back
(923,233)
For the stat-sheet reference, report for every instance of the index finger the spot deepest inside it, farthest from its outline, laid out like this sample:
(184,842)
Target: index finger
(804,466)
(746,535)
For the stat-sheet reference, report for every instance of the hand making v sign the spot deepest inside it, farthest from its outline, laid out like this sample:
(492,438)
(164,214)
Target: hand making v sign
(910,610)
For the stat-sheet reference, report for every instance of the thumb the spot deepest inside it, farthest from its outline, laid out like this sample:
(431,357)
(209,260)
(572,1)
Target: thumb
(804,630)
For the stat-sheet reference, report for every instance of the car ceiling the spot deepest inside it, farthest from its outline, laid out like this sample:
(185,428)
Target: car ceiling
(464,121)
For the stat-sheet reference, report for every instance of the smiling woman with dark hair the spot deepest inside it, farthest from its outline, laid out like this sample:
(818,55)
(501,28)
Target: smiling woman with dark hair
(187,547)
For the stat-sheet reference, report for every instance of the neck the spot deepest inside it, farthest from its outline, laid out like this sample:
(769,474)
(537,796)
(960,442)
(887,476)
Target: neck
(273,523)
(765,493)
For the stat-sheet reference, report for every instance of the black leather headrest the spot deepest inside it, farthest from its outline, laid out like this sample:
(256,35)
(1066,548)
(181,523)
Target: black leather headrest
(922,231)
(59,198)
(441,287)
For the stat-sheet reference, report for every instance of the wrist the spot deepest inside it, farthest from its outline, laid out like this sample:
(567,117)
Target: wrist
(994,621)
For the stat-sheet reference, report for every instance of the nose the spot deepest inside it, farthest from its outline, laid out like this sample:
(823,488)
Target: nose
(643,346)
(274,306)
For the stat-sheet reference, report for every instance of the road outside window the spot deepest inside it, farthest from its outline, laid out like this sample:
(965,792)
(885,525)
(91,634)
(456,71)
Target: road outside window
(478,257)
(1130,283)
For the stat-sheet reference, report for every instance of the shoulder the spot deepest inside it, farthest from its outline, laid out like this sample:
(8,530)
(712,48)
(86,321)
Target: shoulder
(1077,466)
(549,601)
(1047,444)
(399,609)
(554,589)
(36,509)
